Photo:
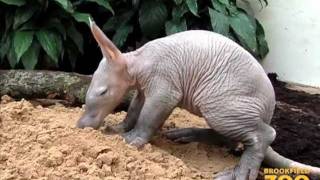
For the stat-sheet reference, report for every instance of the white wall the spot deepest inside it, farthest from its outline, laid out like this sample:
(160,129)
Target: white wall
(292,30)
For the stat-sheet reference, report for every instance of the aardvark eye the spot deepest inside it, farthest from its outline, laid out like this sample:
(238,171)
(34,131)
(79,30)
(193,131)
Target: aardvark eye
(103,92)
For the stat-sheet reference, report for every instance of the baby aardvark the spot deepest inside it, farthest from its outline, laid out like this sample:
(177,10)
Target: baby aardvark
(201,71)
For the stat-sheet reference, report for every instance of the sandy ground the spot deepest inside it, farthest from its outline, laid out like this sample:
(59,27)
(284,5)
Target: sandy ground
(43,143)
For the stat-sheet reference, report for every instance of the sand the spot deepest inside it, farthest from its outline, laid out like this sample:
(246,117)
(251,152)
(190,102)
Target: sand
(42,143)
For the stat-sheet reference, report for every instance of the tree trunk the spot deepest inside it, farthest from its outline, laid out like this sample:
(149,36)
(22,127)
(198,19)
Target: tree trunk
(71,87)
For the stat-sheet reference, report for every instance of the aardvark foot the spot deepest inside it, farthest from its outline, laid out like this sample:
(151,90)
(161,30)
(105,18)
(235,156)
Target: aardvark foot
(135,139)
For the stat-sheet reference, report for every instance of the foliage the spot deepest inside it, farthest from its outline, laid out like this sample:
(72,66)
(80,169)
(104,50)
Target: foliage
(157,18)
(33,31)
(37,30)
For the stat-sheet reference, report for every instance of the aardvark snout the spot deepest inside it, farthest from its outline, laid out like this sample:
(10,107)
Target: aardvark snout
(87,120)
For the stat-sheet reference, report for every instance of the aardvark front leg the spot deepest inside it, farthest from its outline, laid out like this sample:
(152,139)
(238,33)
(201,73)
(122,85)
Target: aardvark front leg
(155,111)
(132,115)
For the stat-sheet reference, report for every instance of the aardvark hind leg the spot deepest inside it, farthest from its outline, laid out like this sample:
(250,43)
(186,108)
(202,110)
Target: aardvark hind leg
(242,121)
(256,144)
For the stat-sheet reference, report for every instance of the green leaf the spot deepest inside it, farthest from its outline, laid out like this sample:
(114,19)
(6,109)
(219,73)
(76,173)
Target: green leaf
(111,24)
(265,1)
(14,2)
(193,6)
(218,6)
(51,42)
(244,30)
(22,15)
(21,42)
(121,35)
(82,17)
(225,2)
(76,37)
(116,21)
(231,6)
(48,62)
(65,4)
(222,5)
(29,25)
(175,26)
(178,1)
(5,45)
(179,11)
(104,3)
(8,20)
(30,57)
(11,56)
(262,43)
(219,22)
(152,17)
(73,54)
(56,24)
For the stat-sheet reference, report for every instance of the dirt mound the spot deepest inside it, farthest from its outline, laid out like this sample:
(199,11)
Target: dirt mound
(40,142)
(297,122)
(37,142)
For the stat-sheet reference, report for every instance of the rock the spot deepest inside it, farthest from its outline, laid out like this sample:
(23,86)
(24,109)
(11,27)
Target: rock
(107,158)
(4,156)
(55,158)
(107,170)
(6,99)
(83,167)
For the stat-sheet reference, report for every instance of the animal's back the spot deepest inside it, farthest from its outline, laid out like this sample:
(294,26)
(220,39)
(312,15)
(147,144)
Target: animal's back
(210,70)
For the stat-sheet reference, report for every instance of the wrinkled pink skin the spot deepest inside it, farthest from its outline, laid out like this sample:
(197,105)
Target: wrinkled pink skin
(201,71)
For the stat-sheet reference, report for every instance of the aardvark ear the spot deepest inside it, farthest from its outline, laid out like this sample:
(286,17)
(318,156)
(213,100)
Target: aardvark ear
(108,49)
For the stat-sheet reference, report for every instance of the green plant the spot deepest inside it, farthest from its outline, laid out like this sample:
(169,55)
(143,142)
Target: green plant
(54,31)
(155,18)
(38,30)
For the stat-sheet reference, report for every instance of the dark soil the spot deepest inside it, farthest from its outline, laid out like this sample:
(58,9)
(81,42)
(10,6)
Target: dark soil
(297,122)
